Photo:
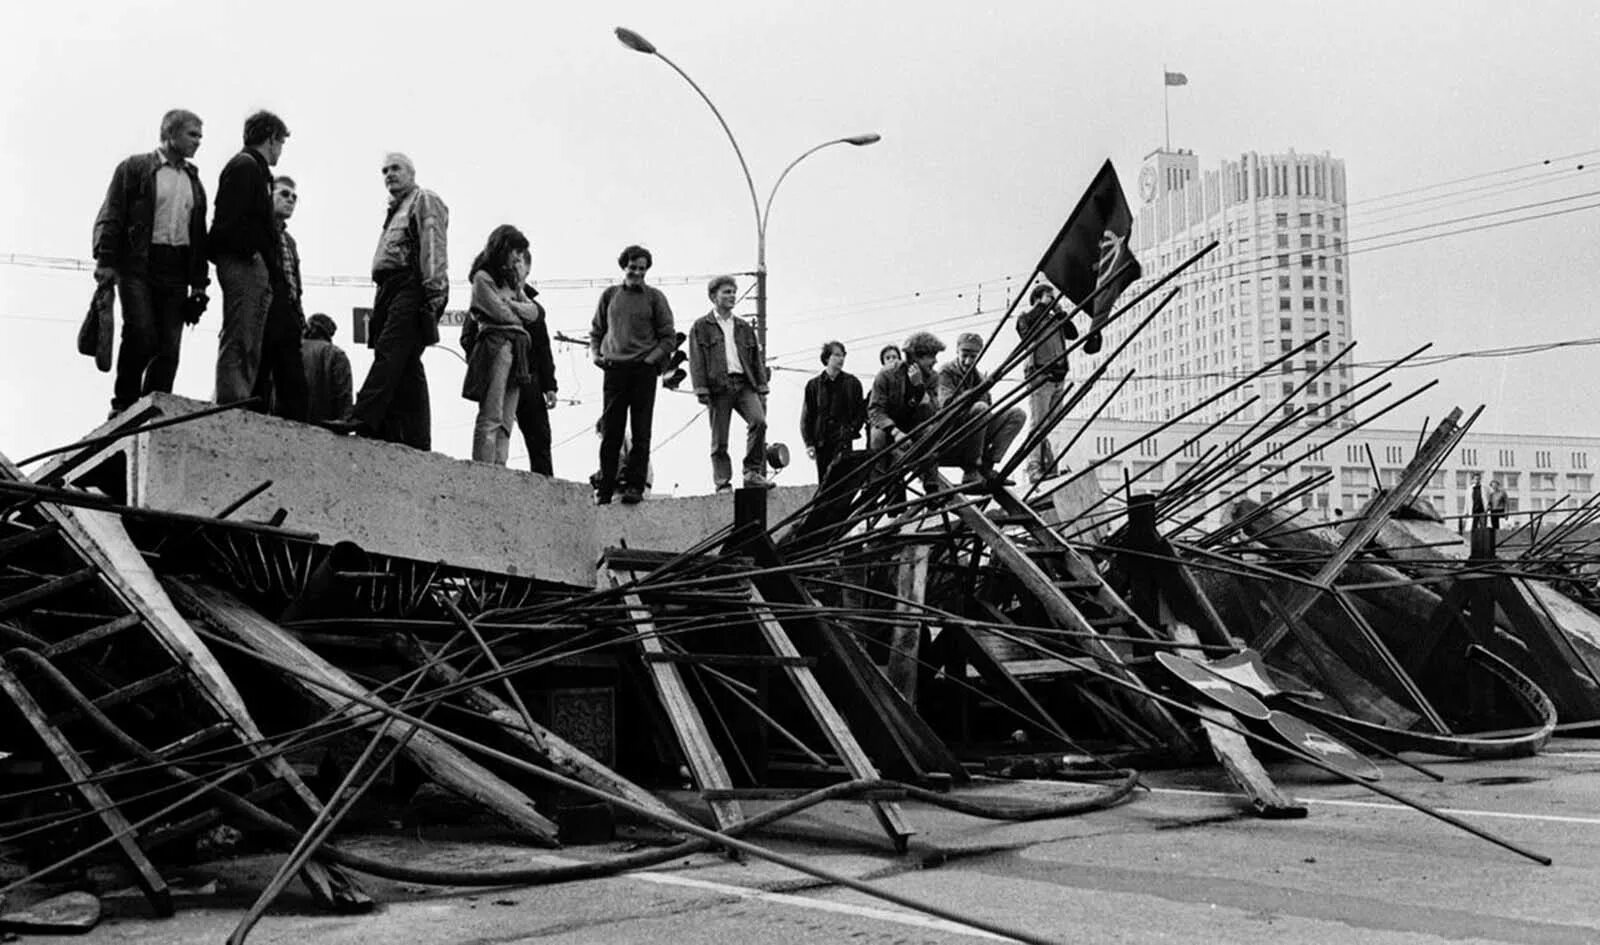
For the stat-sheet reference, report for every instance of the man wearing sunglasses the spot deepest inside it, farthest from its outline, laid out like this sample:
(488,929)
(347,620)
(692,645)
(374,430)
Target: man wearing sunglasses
(281,380)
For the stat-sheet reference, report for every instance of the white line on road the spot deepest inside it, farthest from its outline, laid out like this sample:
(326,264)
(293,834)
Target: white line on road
(1457,811)
(821,905)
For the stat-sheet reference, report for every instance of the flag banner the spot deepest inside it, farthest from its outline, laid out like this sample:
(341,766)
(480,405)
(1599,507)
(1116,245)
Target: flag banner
(1177,78)
(1091,252)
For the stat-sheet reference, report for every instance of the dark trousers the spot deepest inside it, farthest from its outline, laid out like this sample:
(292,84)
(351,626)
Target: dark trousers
(393,403)
(533,419)
(281,380)
(152,325)
(246,300)
(630,401)
(742,398)
(826,454)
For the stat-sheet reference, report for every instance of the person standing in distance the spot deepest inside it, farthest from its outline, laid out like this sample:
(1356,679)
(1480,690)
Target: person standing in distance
(629,337)
(150,240)
(281,379)
(833,411)
(244,247)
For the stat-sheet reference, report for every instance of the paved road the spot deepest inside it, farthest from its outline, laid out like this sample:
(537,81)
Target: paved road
(1177,864)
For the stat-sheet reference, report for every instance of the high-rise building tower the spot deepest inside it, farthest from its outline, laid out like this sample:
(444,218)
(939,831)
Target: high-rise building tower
(1277,278)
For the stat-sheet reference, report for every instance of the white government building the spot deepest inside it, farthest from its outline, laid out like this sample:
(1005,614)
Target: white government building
(1279,277)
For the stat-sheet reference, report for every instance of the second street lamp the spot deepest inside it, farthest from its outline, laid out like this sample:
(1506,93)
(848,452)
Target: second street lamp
(638,43)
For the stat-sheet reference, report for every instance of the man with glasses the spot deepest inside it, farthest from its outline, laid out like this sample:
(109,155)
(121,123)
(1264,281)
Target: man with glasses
(630,337)
(281,380)
(413,280)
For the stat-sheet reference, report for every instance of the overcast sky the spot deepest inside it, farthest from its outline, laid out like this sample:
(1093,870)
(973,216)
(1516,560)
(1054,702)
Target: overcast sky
(993,121)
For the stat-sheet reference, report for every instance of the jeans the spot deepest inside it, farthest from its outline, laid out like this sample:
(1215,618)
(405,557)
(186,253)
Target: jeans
(491,433)
(630,400)
(246,300)
(393,402)
(533,419)
(1041,401)
(742,397)
(281,379)
(152,325)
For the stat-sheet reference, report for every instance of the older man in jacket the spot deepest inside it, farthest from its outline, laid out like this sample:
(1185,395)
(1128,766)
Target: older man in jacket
(730,375)
(150,239)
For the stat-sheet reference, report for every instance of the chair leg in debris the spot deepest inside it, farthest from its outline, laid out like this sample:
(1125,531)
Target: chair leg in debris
(89,607)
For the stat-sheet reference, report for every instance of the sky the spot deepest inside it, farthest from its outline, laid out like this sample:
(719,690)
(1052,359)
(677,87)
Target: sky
(994,118)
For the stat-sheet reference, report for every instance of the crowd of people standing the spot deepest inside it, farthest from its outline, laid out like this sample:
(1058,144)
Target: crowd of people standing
(152,241)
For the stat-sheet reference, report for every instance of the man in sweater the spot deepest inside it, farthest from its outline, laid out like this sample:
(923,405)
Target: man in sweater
(963,388)
(327,371)
(833,410)
(150,239)
(244,246)
(629,338)
(729,374)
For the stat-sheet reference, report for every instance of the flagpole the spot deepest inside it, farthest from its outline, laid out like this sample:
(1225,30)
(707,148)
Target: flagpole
(1166,112)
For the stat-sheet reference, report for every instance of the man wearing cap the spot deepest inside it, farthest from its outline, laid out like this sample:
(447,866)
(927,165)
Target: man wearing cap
(411,270)
(327,371)
(1048,329)
(904,395)
(961,386)
(729,375)
(150,240)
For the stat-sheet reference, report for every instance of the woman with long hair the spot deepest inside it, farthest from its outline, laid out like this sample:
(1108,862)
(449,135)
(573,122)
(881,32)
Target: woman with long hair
(496,341)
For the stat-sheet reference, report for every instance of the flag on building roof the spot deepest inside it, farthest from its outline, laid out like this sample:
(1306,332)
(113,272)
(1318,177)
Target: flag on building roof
(1090,257)
(1177,78)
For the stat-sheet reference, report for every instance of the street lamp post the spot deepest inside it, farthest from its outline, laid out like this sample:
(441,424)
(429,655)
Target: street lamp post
(638,43)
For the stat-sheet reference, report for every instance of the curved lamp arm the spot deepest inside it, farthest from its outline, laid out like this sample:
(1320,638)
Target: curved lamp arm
(766,212)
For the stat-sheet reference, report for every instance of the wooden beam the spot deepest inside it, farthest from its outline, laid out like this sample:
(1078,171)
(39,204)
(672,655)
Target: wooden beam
(905,639)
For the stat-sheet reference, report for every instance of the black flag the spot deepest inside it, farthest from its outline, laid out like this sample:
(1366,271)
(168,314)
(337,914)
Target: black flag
(1091,252)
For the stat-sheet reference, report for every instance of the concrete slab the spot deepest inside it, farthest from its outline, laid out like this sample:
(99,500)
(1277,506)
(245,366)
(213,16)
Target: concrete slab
(394,500)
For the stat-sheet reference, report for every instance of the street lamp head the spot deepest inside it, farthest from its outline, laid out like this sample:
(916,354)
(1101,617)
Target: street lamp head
(634,41)
(862,140)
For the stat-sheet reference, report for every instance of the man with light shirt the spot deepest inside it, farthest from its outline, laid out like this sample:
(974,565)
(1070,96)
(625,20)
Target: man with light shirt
(150,239)
(729,375)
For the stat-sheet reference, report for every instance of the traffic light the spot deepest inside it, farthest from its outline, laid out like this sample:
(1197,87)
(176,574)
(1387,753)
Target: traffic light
(672,371)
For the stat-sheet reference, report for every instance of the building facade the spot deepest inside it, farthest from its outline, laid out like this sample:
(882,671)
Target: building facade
(1276,288)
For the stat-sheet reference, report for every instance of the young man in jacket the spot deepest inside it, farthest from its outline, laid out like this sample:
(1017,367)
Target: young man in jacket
(629,338)
(990,431)
(411,269)
(730,375)
(1048,329)
(244,246)
(150,239)
(904,396)
(281,378)
(833,411)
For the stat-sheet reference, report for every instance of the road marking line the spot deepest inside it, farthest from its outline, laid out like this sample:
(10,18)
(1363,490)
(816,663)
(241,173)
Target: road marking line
(1570,754)
(1457,811)
(821,905)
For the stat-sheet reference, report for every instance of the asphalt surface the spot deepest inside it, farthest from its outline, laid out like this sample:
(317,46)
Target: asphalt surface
(1180,862)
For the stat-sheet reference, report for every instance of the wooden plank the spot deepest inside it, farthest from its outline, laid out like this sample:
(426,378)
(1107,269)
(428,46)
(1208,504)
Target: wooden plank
(560,753)
(1006,676)
(50,588)
(828,718)
(1067,615)
(100,632)
(154,887)
(1233,751)
(226,615)
(905,639)
(704,761)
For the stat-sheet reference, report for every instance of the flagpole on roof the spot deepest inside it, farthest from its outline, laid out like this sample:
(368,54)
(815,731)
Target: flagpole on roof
(1166,113)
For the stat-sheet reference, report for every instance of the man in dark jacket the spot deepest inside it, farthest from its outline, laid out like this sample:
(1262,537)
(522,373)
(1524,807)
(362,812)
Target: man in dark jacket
(904,396)
(1048,329)
(244,246)
(327,371)
(281,379)
(539,397)
(729,375)
(630,336)
(150,239)
(833,411)
(990,431)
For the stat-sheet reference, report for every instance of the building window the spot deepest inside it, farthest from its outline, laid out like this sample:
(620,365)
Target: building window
(1306,282)
(1469,456)
(1283,283)
(1305,261)
(1285,325)
(1149,447)
(1508,457)
(1354,476)
(1394,454)
(1283,219)
(1542,482)
(1305,240)
(1305,219)
(1464,478)
(1580,482)
(1105,444)
(1338,306)
(1285,304)
(1541,459)
(1335,224)
(1283,262)
(1283,241)
(1510,479)
(1352,453)
(1338,264)
(1580,460)
(1308,304)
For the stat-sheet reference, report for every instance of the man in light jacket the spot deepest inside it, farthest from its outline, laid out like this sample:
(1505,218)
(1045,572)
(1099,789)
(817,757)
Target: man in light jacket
(730,375)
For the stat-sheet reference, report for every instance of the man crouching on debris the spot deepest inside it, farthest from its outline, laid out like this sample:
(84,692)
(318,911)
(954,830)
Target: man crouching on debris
(991,431)
(904,394)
